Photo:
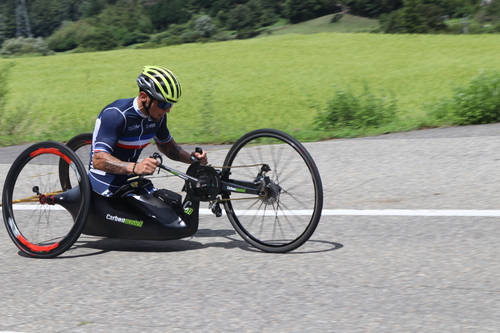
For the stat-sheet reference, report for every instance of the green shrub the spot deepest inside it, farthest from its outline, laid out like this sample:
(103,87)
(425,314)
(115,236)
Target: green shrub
(172,41)
(70,35)
(134,37)
(159,37)
(191,36)
(204,26)
(65,38)
(171,36)
(346,109)
(477,103)
(99,40)
(246,33)
(336,18)
(22,46)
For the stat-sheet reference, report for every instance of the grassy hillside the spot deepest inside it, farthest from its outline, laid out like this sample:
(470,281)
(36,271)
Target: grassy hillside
(233,87)
(348,23)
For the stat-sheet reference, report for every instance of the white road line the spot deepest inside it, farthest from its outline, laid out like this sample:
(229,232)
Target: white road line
(380,212)
(411,212)
(341,212)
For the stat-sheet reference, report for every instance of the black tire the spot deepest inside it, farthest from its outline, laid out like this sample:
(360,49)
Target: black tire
(81,145)
(35,221)
(288,217)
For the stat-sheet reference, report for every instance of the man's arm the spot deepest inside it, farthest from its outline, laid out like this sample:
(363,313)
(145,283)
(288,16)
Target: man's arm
(175,152)
(110,164)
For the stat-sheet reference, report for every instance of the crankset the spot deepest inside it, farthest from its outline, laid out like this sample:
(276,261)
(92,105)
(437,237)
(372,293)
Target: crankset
(209,185)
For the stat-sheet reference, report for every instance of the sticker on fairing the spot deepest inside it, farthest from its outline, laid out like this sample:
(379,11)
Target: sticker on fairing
(123,220)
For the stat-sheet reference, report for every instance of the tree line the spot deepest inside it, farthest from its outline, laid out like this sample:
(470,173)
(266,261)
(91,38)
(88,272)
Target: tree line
(126,20)
(107,24)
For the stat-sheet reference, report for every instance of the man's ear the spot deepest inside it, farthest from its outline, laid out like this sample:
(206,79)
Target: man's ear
(143,97)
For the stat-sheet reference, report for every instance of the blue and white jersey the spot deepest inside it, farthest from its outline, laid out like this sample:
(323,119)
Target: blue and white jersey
(122,131)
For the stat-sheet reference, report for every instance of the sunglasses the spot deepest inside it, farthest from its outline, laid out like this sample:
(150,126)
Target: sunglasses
(164,105)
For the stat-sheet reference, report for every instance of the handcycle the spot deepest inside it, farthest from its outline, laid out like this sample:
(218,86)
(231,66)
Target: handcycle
(269,186)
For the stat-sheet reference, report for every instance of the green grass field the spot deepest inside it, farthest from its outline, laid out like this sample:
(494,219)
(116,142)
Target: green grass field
(233,87)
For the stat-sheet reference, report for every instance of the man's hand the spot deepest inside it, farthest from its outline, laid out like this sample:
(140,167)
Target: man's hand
(203,158)
(146,167)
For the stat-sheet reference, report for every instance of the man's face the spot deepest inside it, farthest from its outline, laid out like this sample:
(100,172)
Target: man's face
(156,109)
(156,113)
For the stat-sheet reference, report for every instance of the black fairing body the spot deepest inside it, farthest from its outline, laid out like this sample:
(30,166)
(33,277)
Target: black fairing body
(144,216)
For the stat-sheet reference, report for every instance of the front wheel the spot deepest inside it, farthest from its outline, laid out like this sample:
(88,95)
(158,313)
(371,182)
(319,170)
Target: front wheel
(43,219)
(287,215)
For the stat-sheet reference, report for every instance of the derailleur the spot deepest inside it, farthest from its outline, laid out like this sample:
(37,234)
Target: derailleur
(215,207)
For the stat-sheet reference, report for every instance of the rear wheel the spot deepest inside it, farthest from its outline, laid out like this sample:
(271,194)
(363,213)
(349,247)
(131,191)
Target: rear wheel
(287,215)
(41,218)
(81,145)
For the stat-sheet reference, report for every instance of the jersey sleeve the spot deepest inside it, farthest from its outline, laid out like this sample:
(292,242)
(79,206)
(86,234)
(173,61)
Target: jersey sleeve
(107,130)
(163,134)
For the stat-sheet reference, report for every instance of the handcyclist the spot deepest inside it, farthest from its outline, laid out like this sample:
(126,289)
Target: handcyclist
(126,126)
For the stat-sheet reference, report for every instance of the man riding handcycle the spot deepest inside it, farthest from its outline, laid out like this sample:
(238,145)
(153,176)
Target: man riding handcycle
(268,184)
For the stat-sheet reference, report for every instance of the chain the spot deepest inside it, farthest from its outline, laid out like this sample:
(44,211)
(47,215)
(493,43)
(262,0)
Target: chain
(238,166)
(260,197)
(215,167)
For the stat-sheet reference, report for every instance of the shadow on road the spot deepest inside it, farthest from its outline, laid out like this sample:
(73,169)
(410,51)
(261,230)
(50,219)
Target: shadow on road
(224,240)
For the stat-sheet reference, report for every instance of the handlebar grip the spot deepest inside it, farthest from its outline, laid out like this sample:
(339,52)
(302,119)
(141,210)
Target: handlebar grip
(199,151)
(158,159)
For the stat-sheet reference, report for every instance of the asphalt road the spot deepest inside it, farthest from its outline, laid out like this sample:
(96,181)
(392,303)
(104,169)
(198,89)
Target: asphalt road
(373,273)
